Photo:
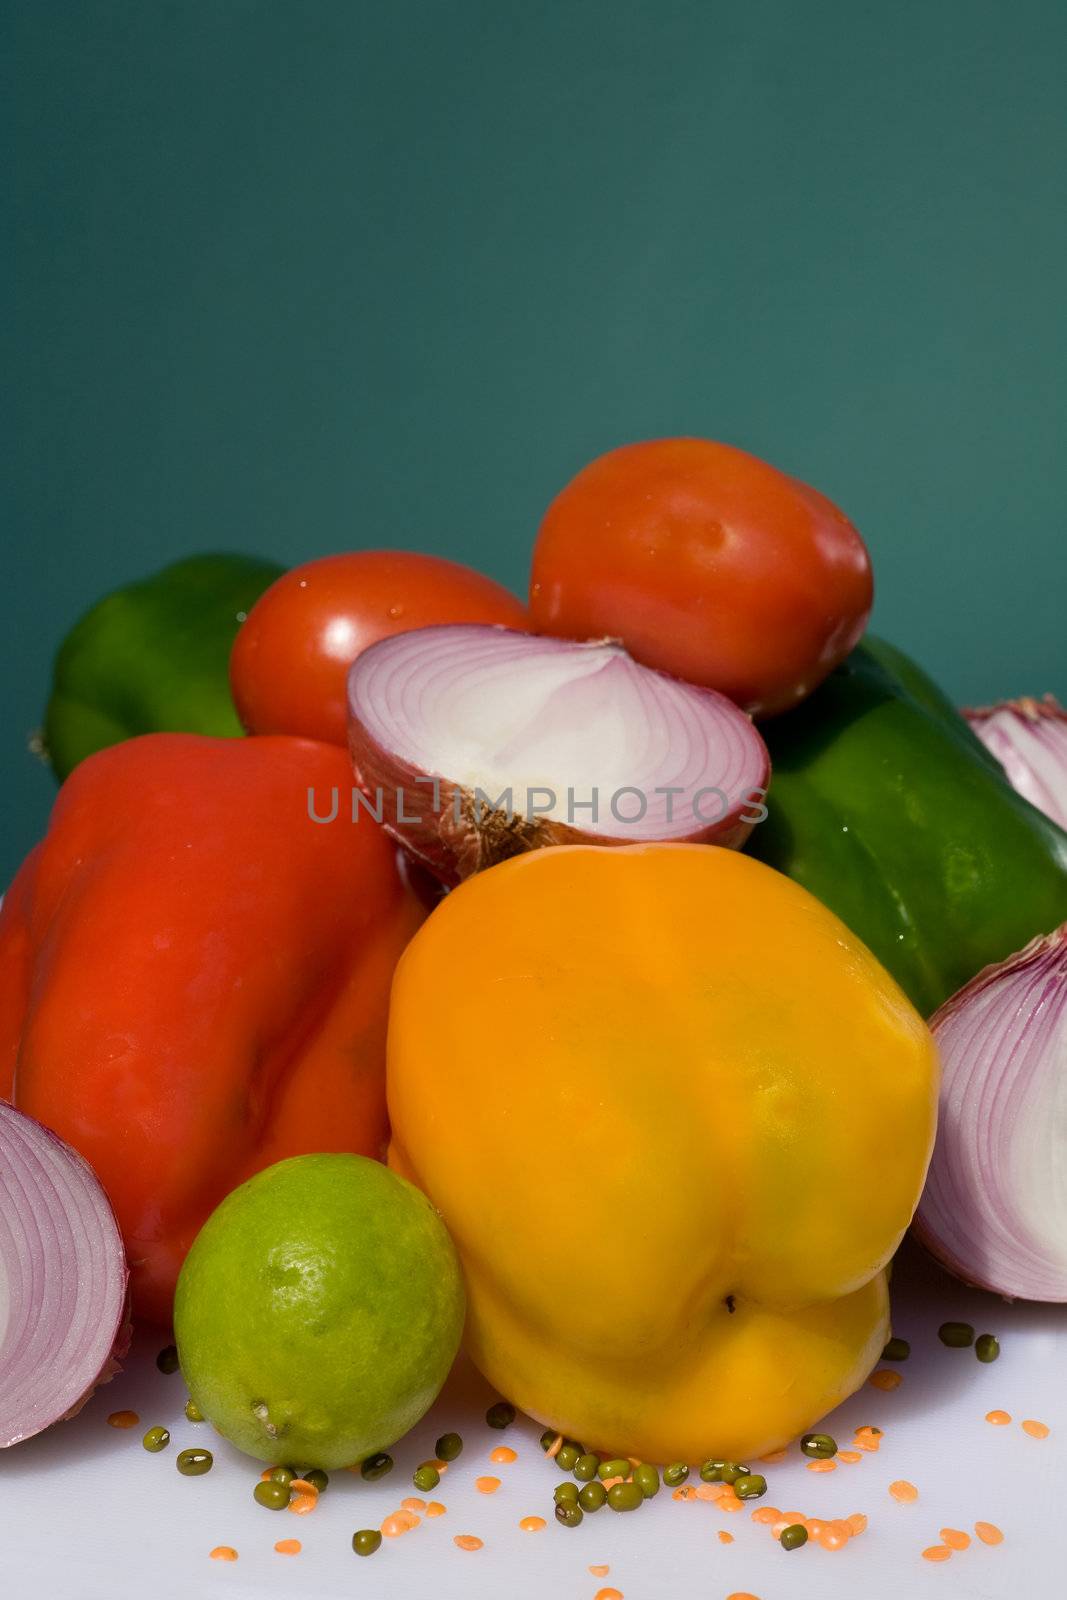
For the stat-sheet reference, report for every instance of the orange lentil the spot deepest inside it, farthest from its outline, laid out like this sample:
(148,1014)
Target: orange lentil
(302,1486)
(600,1572)
(1036,1430)
(265,1474)
(681,1494)
(989,1533)
(435,1509)
(467,1541)
(503,1455)
(814,1526)
(413,1503)
(555,1447)
(130,1419)
(868,1439)
(609,1594)
(955,1538)
(903,1491)
(822,1466)
(728,1501)
(835,1536)
(532,1524)
(224,1552)
(851,1456)
(857,1522)
(487,1485)
(724,1537)
(773,1456)
(442,1466)
(766,1514)
(288,1547)
(400,1522)
(302,1504)
(742,1594)
(884,1379)
(999,1419)
(937,1552)
(787,1519)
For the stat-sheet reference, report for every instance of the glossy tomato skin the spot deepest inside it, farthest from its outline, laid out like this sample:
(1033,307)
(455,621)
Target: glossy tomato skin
(706,563)
(292,655)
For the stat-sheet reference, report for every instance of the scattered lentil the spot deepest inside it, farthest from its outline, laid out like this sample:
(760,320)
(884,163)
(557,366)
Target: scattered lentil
(123,1419)
(486,1485)
(989,1533)
(885,1380)
(532,1524)
(955,1538)
(224,1552)
(503,1455)
(937,1552)
(999,1419)
(288,1547)
(903,1491)
(1036,1430)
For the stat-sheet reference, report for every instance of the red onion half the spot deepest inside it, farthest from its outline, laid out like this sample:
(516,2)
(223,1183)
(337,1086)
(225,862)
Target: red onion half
(63,1321)
(994,1209)
(473,743)
(1029,739)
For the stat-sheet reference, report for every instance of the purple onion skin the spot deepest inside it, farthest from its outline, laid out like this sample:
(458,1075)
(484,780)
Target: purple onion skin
(454,850)
(1028,738)
(1001,1253)
(34,1140)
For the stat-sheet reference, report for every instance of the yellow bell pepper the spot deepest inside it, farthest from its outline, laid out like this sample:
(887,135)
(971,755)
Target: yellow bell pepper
(677,1119)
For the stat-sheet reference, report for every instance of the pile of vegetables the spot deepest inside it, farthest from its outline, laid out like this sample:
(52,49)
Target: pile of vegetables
(684,863)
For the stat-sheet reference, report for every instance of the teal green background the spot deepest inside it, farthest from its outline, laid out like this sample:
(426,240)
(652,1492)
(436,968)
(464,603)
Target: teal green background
(298,276)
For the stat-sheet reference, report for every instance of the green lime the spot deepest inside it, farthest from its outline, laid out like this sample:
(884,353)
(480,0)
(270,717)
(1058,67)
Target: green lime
(319,1310)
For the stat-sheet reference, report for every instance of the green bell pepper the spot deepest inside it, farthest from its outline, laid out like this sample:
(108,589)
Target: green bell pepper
(885,805)
(153,657)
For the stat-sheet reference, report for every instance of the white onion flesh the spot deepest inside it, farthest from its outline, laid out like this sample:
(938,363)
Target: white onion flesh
(994,1209)
(1029,739)
(63,1280)
(552,724)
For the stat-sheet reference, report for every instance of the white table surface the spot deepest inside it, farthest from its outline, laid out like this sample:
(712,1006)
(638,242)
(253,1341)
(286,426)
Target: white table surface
(86,1513)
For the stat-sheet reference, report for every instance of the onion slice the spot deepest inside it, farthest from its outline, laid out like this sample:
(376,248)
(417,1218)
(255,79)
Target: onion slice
(1029,739)
(472,743)
(63,1317)
(994,1209)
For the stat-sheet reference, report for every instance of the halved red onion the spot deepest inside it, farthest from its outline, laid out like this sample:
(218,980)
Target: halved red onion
(1029,739)
(994,1209)
(63,1303)
(472,743)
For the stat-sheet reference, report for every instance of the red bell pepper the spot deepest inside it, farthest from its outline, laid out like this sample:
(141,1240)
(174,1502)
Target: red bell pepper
(194,976)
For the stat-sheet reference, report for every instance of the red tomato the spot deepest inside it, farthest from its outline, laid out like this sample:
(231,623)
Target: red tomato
(708,564)
(292,655)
